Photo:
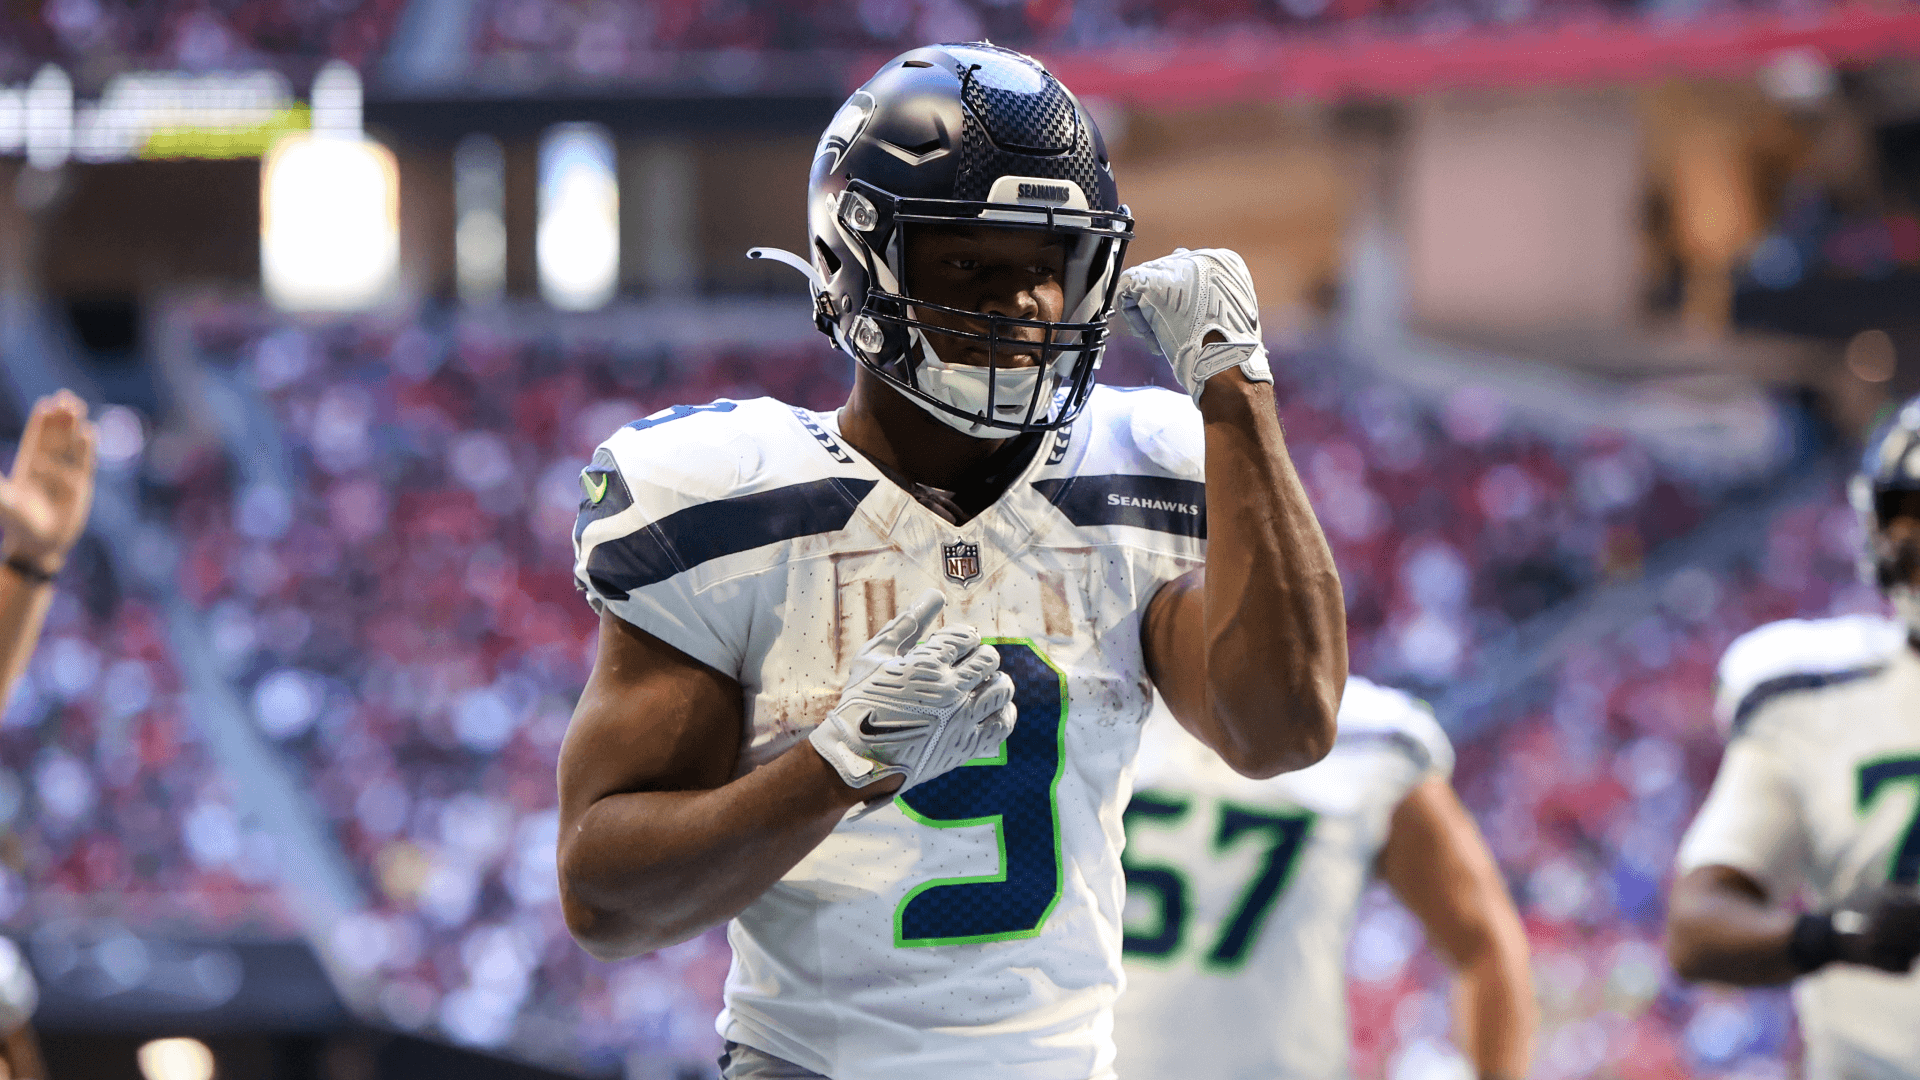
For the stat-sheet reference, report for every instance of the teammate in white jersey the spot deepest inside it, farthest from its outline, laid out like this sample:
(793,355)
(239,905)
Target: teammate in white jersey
(918,845)
(1819,792)
(1241,896)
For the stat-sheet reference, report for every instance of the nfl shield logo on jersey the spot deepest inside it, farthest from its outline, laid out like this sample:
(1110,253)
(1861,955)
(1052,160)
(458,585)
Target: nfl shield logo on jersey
(963,561)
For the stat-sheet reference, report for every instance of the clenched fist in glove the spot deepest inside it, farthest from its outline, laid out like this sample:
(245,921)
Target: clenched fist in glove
(1177,300)
(917,710)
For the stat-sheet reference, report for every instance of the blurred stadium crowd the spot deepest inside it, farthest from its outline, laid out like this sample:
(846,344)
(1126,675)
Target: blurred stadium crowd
(399,615)
(114,35)
(589,40)
(114,806)
(392,597)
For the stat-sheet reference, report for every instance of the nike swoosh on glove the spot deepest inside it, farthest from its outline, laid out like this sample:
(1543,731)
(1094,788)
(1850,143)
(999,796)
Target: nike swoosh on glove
(1175,301)
(921,711)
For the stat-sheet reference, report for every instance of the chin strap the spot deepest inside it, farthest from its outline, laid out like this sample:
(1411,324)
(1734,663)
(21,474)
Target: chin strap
(823,315)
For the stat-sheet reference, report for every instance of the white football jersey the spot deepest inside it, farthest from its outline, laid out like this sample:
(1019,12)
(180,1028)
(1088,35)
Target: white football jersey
(970,928)
(1820,790)
(1242,893)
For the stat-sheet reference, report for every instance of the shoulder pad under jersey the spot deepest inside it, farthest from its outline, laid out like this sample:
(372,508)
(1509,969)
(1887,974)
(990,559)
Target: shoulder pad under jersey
(695,483)
(1135,458)
(1371,713)
(1148,429)
(1795,655)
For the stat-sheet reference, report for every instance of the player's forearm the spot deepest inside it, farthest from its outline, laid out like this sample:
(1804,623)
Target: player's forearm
(23,610)
(1495,1013)
(1275,638)
(646,870)
(1719,930)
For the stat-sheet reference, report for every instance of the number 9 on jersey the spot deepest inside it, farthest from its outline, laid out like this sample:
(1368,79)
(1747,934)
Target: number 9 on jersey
(1014,792)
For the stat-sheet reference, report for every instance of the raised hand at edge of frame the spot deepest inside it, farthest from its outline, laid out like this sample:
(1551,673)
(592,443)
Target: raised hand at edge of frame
(45,500)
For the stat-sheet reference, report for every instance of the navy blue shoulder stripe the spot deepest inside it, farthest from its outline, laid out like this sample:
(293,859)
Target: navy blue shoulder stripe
(687,538)
(1765,692)
(1161,503)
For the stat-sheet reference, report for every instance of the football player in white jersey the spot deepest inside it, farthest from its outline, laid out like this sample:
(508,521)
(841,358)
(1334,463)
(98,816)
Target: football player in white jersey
(916,847)
(1241,895)
(1819,793)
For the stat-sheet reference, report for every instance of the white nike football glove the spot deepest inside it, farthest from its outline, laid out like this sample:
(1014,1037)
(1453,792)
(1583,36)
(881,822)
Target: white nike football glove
(917,712)
(1176,300)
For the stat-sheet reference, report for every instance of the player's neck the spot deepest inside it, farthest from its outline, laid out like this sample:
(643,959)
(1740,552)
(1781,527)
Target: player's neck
(882,424)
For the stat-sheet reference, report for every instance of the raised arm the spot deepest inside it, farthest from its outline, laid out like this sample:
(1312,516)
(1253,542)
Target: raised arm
(43,509)
(1250,651)
(1437,863)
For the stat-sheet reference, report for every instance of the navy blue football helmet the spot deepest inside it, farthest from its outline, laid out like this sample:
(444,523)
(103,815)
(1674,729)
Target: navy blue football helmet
(1889,472)
(963,134)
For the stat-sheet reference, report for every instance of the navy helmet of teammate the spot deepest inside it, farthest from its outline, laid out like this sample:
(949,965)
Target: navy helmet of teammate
(1886,496)
(908,811)
(1820,789)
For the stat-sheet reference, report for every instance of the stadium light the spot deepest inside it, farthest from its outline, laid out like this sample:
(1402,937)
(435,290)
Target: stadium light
(577,245)
(329,223)
(175,1059)
(330,208)
(49,114)
(13,119)
(337,101)
(1871,356)
(480,232)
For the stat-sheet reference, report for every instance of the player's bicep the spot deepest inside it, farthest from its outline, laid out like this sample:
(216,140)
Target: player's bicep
(1438,864)
(651,718)
(1173,638)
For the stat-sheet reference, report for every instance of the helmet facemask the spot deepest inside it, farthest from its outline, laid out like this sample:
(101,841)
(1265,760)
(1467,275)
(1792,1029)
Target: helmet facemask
(1025,374)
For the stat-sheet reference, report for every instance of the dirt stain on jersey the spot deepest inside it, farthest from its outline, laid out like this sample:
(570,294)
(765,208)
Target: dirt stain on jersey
(863,602)
(1056,614)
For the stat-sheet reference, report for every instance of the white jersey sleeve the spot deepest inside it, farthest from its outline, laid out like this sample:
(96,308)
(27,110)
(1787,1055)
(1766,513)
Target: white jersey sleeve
(1369,711)
(1794,654)
(1139,481)
(1753,819)
(680,505)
